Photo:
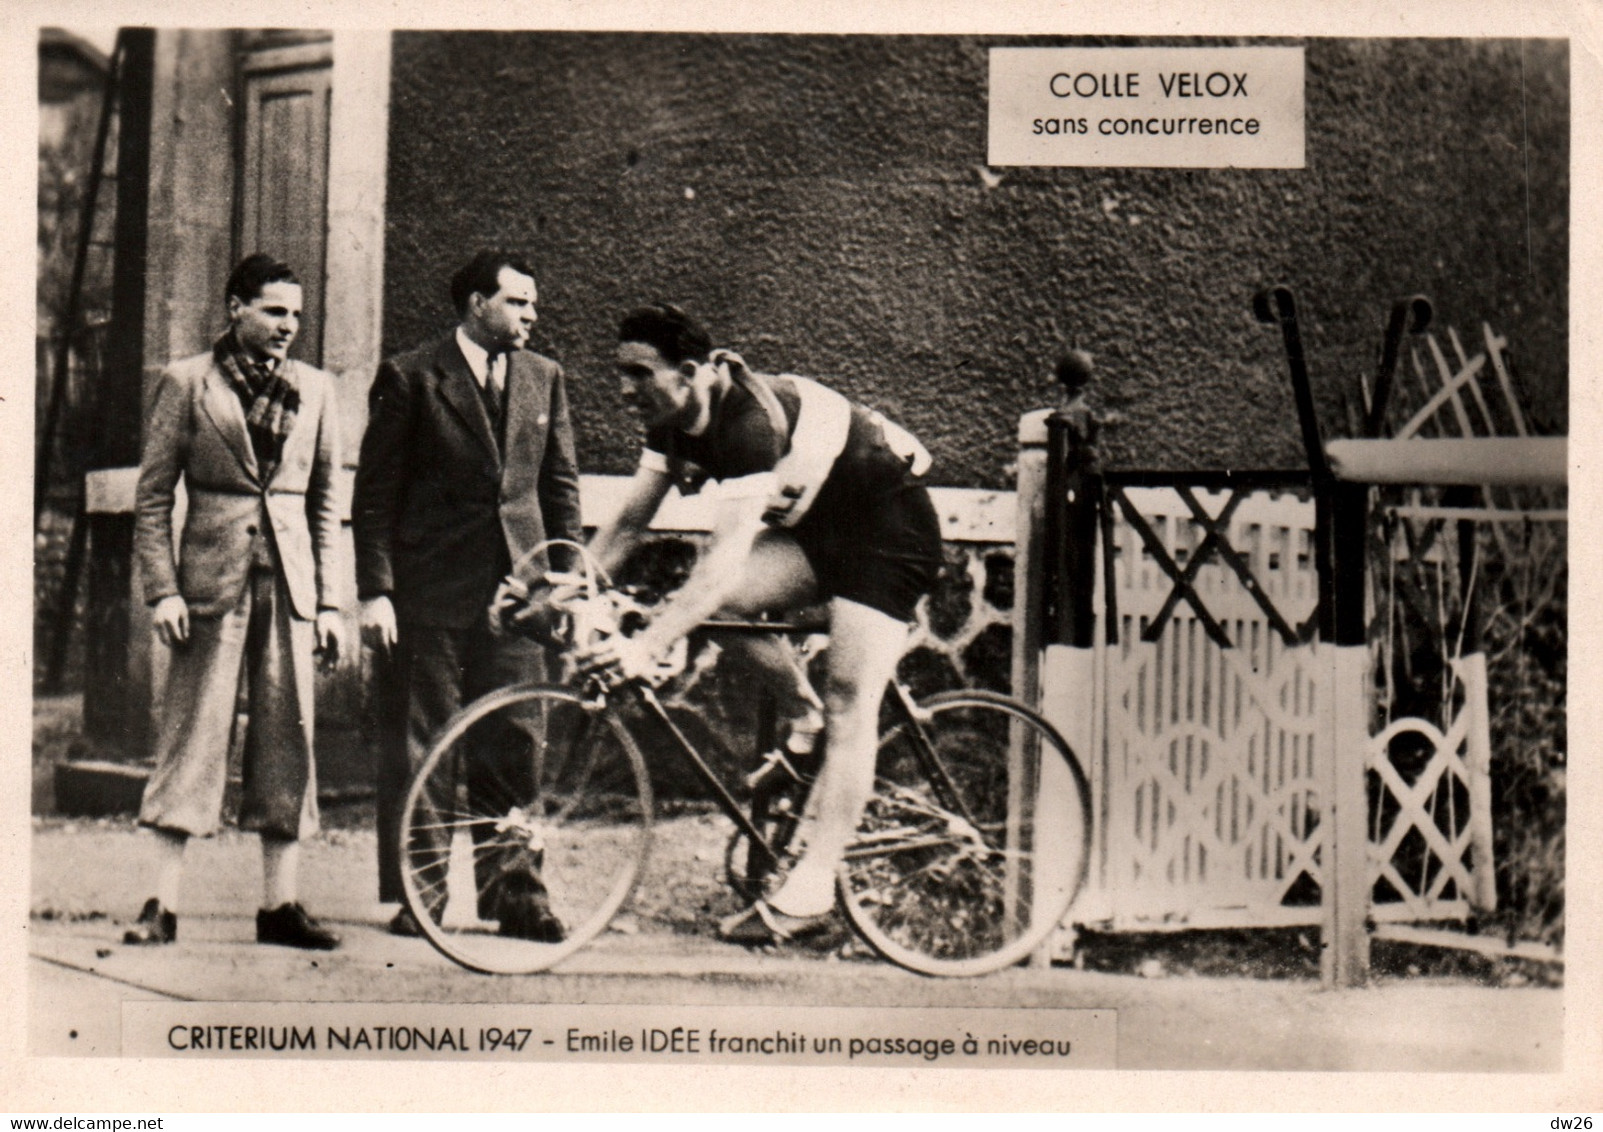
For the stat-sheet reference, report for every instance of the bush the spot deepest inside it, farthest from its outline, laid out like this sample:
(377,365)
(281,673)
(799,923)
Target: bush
(1526,646)
(1518,583)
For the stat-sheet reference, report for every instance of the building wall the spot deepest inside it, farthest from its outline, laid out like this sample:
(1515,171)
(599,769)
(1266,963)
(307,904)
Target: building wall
(823,204)
(201,85)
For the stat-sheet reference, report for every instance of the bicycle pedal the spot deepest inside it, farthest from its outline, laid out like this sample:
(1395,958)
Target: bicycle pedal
(775,766)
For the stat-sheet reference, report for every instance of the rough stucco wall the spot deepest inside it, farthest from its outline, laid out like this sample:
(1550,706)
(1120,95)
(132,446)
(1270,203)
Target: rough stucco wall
(821,202)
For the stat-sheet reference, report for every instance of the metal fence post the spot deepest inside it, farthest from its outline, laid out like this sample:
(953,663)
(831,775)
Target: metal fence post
(1028,540)
(1346,958)
(1341,518)
(1055,564)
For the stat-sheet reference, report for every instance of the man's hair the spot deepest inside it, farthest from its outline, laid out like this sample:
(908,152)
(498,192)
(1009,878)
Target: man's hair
(254,272)
(480,276)
(672,332)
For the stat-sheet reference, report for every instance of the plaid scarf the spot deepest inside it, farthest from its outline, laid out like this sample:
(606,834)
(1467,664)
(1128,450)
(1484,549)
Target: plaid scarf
(269,398)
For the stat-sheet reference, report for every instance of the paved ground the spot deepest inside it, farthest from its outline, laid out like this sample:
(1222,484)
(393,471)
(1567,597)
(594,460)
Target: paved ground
(89,880)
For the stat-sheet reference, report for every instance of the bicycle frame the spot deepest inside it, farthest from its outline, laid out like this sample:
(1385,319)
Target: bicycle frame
(898,696)
(938,879)
(721,793)
(934,769)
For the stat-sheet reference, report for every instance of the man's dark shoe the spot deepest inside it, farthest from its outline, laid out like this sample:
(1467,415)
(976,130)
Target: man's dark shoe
(507,867)
(404,924)
(290,925)
(155,925)
(528,915)
(520,902)
(517,898)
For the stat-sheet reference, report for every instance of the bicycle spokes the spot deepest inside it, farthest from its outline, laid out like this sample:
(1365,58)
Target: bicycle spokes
(524,829)
(971,848)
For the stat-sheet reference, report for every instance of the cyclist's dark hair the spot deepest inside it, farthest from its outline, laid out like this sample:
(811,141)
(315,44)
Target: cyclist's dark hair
(253,273)
(481,276)
(672,332)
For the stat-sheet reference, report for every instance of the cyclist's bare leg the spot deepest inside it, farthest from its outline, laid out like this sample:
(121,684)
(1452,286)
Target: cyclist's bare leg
(777,578)
(781,669)
(864,646)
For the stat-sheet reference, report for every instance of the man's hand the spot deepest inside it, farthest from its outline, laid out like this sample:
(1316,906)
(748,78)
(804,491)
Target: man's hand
(171,619)
(540,613)
(511,601)
(330,636)
(378,622)
(631,657)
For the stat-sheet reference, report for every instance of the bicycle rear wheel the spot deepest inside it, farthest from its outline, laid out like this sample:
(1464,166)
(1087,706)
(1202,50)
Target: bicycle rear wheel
(976,839)
(524,829)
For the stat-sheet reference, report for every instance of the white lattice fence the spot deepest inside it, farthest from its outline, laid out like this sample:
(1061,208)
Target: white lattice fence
(1213,770)
(1210,784)
(1430,811)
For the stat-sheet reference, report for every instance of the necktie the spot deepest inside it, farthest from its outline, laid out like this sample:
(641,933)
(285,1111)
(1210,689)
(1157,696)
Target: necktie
(494,387)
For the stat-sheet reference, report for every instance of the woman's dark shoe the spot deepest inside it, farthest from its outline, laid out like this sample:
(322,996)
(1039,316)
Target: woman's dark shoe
(156,925)
(290,925)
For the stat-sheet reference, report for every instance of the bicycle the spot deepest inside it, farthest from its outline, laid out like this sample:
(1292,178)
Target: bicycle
(969,853)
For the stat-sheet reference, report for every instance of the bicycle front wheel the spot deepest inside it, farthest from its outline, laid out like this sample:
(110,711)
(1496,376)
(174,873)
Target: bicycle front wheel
(975,841)
(524,829)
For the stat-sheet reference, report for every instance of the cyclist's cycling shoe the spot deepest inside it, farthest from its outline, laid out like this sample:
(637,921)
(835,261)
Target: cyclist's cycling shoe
(763,923)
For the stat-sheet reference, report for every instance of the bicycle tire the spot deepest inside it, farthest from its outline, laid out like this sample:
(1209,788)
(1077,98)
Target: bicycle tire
(972,883)
(528,790)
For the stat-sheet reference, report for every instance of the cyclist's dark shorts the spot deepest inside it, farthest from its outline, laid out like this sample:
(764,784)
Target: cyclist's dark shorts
(883,552)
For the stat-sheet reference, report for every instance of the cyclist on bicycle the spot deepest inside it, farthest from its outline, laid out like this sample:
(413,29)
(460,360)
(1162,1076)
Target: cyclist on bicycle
(818,498)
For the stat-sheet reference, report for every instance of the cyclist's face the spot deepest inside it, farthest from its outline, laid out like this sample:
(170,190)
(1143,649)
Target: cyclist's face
(663,394)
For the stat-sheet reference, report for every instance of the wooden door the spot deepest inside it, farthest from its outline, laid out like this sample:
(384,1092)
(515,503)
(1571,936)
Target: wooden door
(284,168)
(286,96)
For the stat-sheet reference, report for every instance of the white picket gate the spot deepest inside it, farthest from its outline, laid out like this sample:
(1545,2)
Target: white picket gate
(1211,766)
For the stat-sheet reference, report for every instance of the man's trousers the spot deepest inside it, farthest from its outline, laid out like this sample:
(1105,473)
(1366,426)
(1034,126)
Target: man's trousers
(263,642)
(437,672)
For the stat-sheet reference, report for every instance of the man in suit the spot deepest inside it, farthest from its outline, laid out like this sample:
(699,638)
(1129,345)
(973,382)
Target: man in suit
(467,464)
(252,593)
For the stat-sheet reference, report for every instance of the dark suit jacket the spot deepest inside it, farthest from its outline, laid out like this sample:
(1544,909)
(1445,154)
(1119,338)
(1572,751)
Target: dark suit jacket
(438,514)
(195,427)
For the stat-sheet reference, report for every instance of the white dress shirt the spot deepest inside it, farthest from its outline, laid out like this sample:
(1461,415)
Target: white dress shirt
(478,360)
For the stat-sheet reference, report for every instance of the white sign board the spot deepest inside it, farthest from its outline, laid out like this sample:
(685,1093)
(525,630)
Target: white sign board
(1153,107)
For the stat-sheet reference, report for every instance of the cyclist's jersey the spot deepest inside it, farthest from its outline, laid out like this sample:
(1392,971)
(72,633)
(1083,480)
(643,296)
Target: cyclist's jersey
(831,449)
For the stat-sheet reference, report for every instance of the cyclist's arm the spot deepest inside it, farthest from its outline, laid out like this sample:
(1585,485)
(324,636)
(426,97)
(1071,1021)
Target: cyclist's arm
(717,574)
(614,542)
